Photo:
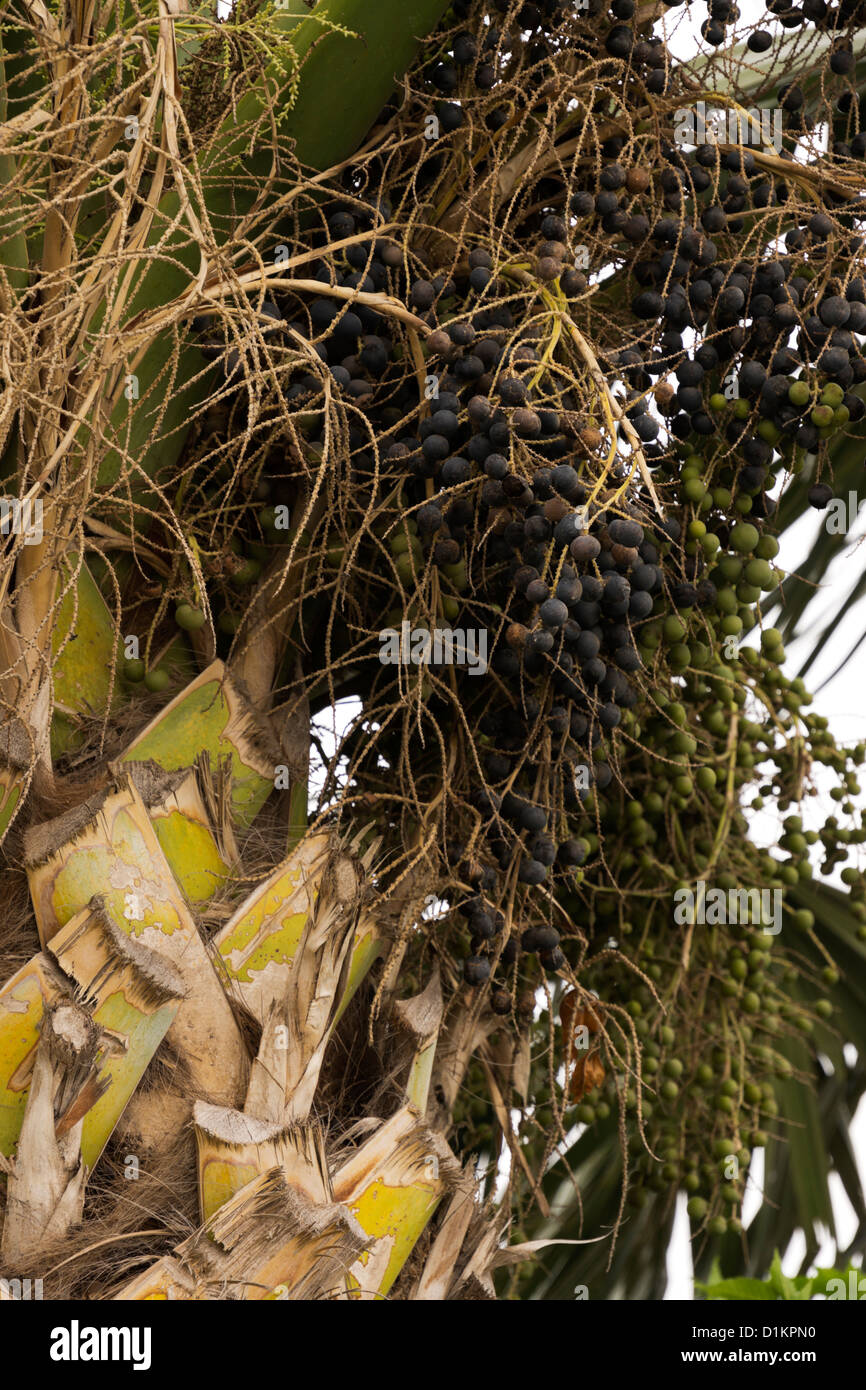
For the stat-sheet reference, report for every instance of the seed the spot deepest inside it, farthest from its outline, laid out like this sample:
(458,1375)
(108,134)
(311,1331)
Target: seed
(626,533)
(526,423)
(531,871)
(572,283)
(834,311)
(759,574)
(706,779)
(819,495)
(548,268)
(744,537)
(156,679)
(247,572)
(799,393)
(760,41)
(189,618)
(822,416)
(552,960)
(476,970)
(584,549)
(446,552)
(553,612)
(439,344)
(573,852)
(529,939)
(500,1002)
(422,295)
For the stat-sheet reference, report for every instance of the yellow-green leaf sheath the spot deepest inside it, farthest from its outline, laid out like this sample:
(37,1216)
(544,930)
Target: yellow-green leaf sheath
(211,716)
(85,631)
(130,995)
(234,1148)
(187,840)
(392,1185)
(11,782)
(258,943)
(109,849)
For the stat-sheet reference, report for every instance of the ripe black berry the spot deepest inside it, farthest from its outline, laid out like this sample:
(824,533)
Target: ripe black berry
(819,495)
(476,970)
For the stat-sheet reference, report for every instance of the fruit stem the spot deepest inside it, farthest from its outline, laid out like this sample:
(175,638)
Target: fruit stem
(718,841)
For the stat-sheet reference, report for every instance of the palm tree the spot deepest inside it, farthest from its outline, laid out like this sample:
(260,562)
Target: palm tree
(274,992)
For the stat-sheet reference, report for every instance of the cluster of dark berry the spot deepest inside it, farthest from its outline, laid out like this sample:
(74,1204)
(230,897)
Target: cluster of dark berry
(495,486)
